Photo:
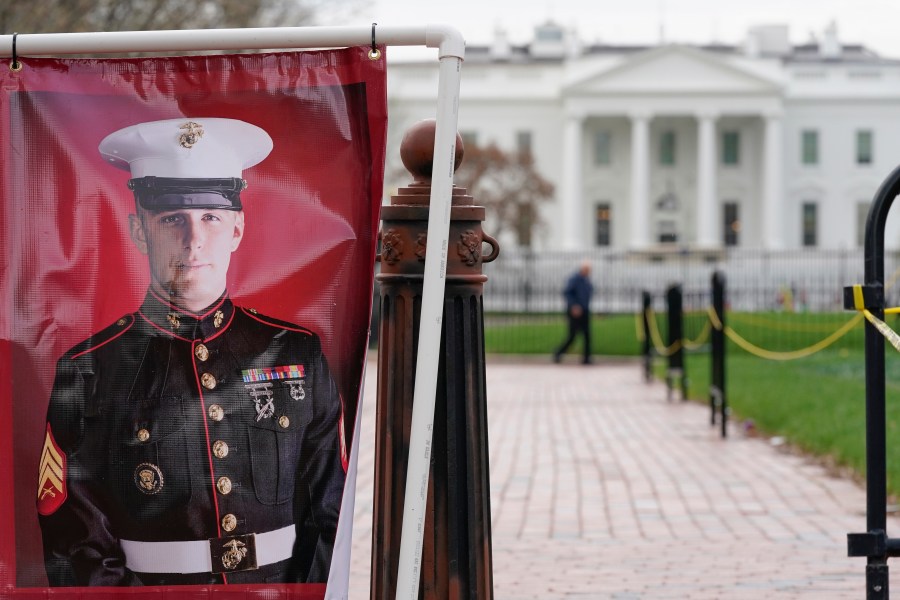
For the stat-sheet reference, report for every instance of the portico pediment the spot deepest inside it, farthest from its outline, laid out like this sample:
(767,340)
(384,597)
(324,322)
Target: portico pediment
(676,70)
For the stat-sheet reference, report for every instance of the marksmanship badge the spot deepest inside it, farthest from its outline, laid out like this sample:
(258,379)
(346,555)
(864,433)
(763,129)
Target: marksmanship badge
(263,399)
(297,391)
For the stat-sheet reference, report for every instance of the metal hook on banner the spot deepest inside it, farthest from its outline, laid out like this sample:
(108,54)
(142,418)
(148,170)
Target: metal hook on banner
(374,53)
(15,66)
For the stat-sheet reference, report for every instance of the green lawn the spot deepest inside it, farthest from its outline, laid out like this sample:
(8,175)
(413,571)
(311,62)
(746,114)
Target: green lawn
(817,403)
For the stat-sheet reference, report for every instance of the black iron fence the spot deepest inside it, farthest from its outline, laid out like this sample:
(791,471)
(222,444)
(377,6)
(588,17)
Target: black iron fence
(524,289)
(523,281)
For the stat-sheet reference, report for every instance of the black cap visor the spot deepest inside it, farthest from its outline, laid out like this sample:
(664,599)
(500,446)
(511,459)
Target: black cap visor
(162,193)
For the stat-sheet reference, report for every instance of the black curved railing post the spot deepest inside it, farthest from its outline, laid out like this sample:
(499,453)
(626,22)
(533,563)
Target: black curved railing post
(875,544)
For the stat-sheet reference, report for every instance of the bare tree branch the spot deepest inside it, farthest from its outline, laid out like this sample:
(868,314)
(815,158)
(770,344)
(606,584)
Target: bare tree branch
(509,186)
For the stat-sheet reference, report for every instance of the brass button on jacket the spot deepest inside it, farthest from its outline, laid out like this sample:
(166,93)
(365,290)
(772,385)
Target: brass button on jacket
(216,412)
(224,486)
(201,352)
(208,381)
(220,449)
(229,522)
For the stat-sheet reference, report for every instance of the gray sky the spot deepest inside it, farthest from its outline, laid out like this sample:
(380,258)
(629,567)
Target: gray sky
(874,23)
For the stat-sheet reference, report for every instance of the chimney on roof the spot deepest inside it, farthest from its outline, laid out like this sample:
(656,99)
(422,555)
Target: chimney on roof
(768,40)
(549,41)
(500,48)
(830,46)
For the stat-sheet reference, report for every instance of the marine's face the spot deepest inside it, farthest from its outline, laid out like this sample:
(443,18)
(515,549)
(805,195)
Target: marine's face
(189,251)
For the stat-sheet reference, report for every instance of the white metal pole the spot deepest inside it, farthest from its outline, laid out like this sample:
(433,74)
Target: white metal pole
(427,359)
(40,44)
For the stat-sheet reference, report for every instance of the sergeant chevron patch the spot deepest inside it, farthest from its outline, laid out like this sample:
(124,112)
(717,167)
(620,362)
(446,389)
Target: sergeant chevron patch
(52,476)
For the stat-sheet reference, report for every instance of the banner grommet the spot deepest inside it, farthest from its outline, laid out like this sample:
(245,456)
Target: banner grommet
(15,66)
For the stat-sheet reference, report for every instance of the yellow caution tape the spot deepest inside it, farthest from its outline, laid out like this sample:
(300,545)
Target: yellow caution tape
(782,324)
(859,302)
(889,334)
(714,318)
(701,338)
(789,355)
(656,338)
(664,350)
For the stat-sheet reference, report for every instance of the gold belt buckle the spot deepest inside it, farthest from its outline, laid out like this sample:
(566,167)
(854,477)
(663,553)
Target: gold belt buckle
(233,553)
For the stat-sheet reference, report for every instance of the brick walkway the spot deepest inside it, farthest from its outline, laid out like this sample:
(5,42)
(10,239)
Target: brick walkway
(602,489)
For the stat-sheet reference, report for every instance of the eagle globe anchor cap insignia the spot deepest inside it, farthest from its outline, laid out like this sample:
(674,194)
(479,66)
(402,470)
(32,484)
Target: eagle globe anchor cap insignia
(192,135)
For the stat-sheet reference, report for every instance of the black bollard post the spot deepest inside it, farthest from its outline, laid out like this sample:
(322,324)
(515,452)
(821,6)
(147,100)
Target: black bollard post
(647,345)
(717,398)
(456,550)
(675,342)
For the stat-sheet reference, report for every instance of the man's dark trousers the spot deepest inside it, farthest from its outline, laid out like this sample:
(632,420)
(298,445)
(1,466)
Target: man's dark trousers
(577,325)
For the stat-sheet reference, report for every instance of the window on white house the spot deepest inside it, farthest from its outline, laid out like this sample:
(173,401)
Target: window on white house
(603,220)
(731,148)
(732,224)
(523,143)
(667,148)
(602,148)
(810,224)
(864,147)
(810,143)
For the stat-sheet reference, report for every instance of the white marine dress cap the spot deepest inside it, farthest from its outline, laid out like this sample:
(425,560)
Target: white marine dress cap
(186,162)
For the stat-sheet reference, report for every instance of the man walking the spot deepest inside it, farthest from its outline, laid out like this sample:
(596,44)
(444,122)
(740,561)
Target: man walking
(578,292)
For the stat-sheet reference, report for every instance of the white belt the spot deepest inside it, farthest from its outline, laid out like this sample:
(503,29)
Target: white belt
(194,556)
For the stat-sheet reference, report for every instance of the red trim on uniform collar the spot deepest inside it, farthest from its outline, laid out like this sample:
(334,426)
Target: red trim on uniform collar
(187,312)
(184,324)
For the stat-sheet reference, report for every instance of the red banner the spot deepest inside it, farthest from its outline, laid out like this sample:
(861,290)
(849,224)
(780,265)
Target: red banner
(186,271)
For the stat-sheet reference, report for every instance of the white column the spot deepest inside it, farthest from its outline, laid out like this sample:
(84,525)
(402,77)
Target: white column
(640,181)
(772,224)
(571,201)
(707,205)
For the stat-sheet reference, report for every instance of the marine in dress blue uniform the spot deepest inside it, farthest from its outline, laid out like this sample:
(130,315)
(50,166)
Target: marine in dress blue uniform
(192,441)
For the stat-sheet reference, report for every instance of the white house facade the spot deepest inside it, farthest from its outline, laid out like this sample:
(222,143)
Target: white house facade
(765,145)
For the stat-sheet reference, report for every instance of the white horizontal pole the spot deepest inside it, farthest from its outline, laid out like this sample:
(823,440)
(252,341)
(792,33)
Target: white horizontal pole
(447,39)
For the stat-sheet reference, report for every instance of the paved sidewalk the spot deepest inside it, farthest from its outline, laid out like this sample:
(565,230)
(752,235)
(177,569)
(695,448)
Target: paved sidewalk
(602,489)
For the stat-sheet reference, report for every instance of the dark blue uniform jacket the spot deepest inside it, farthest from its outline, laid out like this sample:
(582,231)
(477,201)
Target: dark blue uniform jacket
(172,426)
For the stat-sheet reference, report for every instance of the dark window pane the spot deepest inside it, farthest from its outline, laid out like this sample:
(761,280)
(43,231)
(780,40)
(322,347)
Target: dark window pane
(603,220)
(731,144)
(732,224)
(810,147)
(810,224)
